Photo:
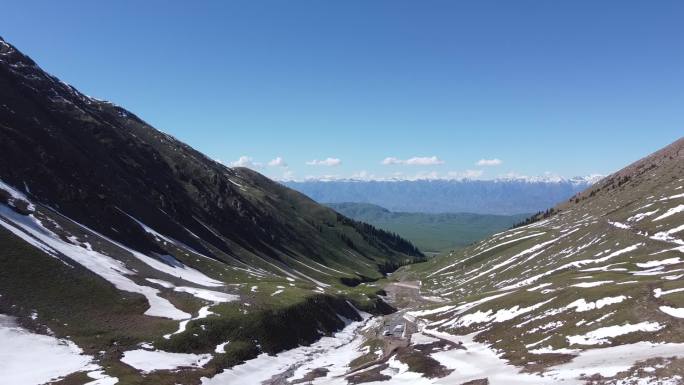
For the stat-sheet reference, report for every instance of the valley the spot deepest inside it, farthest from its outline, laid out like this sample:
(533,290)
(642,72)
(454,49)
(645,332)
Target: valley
(127,257)
(432,233)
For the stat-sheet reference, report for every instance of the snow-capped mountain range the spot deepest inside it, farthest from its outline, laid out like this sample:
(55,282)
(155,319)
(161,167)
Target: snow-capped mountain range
(589,179)
(510,195)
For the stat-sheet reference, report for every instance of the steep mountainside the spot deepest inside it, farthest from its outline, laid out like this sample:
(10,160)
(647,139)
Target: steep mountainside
(430,232)
(111,232)
(499,197)
(601,278)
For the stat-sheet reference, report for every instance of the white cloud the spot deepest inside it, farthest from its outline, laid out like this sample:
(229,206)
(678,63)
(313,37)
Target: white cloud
(391,160)
(288,175)
(415,161)
(424,161)
(277,162)
(245,161)
(329,162)
(489,162)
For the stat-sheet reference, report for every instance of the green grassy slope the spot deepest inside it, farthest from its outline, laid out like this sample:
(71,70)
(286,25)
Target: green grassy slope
(430,232)
(68,301)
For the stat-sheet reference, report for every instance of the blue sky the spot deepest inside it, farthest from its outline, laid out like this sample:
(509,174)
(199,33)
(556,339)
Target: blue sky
(337,87)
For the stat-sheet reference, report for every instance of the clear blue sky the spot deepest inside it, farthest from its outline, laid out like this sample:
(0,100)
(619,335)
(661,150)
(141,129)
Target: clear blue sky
(571,88)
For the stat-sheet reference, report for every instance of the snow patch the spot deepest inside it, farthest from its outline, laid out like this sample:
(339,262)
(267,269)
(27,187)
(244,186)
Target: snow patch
(501,315)
(581,305)
(150,360)
(591,284)
(670,212)
(33,359)
(677,312)
(550,350)
(602,335)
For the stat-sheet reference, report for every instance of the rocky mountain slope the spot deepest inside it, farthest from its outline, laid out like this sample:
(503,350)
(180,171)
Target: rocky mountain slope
(593,291)
(499,197)
(113,233)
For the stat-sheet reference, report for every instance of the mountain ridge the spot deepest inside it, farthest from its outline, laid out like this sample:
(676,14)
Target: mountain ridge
(219,189)
(118,240)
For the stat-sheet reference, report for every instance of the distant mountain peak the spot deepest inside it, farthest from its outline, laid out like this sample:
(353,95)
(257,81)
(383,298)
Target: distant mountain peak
(589,179)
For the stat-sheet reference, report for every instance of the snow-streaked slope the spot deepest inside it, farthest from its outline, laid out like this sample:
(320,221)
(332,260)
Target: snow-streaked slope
(603,271)
(112,270)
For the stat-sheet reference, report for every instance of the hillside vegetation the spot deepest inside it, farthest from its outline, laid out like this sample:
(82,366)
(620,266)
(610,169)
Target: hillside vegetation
(430,232)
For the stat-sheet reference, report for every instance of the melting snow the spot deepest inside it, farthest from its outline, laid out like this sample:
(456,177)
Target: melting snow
(422,339)
(477,361)
(501,315)
(221,348)
(16,195)
(591,284)
(550,350)
(100,378)
(619,225)
(581,305)
(601,336)
(660,292)
(670,212)
(543,285)
(202,313)
(612,360)
(32,359)
(151,360)
(484,251)
(209,295)
(333,353)
(649,264)
(422,313)
(673,311)
(673,196)
(667,235)
(640,216)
